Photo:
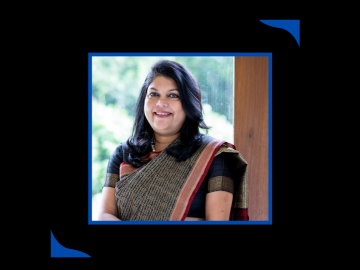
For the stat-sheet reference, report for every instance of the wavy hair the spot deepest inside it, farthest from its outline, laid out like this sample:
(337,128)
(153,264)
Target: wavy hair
(139,144)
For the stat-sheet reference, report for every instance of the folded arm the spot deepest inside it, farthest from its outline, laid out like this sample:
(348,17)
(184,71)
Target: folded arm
(108,207)
(218,205)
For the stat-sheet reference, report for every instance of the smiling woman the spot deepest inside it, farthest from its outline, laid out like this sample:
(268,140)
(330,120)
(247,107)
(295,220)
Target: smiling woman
(167,169)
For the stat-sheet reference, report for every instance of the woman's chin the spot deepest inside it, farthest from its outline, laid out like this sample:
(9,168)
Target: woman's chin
(161,125)
(165,131)
(161,128)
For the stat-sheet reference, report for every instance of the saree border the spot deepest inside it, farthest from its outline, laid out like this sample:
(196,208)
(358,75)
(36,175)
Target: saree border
(194,180)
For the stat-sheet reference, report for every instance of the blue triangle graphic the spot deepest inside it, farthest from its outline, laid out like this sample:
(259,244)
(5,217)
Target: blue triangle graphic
(57,250)
(292,26)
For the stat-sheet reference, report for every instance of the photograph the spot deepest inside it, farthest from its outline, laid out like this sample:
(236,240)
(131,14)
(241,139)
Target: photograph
(179,138)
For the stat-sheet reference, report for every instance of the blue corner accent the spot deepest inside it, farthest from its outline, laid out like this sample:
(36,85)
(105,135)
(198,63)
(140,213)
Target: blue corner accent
(57,250)
(292,26)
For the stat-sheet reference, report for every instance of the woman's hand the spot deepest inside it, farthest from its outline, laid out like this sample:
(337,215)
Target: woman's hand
(218,205)
(108,207)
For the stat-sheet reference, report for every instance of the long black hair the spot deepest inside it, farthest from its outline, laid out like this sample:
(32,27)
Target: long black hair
(139,144)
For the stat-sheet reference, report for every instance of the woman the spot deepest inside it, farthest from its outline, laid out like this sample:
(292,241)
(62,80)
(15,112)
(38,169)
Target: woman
(167,170)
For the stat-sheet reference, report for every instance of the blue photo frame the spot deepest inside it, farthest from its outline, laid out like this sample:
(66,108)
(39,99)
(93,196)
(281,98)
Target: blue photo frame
(92,222)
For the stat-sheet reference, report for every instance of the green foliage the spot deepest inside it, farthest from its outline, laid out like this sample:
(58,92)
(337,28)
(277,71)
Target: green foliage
(110,127)
(220,128)
(116,83)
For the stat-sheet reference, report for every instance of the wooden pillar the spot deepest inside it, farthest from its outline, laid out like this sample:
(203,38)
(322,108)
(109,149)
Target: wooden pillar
(251,129)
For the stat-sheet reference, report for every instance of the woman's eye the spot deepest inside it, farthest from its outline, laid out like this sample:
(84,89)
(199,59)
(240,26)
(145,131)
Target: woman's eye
(174,95)
(152,94)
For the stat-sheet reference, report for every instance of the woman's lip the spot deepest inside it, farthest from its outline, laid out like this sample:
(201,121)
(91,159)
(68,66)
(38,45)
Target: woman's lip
(162,116)
(161,112)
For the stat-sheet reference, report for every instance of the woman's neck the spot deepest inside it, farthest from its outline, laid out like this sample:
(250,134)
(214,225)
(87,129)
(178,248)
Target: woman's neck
(161,141)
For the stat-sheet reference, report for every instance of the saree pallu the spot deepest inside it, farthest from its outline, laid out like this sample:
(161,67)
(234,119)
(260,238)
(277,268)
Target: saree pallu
(163,189)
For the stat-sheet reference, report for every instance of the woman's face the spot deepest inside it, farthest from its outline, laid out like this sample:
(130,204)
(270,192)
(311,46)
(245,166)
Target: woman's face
(163,108)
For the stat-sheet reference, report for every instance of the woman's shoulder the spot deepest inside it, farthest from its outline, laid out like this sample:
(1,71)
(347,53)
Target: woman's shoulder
(206,139)
(225,148)
(116,158)
(121,150)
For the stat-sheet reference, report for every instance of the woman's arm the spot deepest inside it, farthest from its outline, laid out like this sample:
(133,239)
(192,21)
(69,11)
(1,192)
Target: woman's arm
(218,205)
(108,208)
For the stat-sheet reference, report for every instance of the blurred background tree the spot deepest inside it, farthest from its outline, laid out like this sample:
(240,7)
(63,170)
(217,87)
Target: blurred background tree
(116,84)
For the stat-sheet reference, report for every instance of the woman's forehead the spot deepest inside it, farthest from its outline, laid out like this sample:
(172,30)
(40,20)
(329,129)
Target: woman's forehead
(161,83)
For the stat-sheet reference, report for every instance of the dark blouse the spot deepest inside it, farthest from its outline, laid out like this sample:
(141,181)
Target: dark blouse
(218,178)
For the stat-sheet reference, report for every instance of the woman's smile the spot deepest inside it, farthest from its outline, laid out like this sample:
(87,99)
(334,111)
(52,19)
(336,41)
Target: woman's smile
(162,114)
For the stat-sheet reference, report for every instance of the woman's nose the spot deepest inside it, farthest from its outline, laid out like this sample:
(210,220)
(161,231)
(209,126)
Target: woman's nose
(162,103)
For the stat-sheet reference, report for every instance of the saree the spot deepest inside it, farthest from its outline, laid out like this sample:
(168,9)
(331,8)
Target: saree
(163,189)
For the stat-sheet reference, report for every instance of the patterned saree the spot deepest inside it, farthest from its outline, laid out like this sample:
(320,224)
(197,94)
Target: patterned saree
(163,189)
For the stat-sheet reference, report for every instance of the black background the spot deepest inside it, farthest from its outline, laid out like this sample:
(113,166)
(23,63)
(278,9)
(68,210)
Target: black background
(66,171)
